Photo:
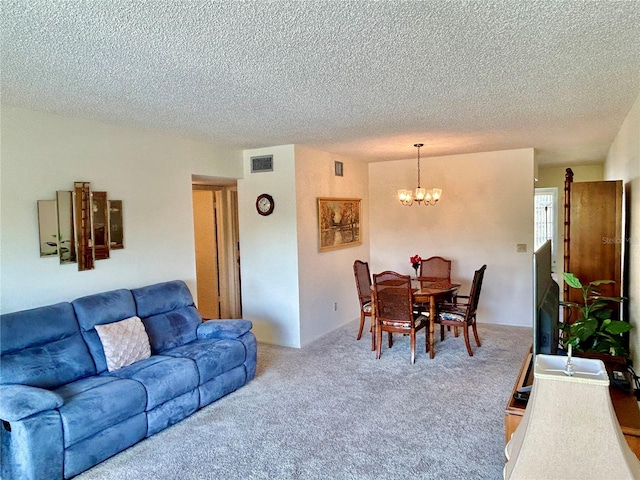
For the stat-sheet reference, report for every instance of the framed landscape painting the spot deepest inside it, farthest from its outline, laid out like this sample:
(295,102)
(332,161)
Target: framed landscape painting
(338,223)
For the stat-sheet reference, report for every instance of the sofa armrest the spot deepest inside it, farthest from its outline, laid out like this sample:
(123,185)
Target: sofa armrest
(21,401)
(228,329)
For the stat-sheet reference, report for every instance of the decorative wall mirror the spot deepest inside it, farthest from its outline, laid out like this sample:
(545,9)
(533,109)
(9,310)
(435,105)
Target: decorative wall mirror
(80,226)
(100,212)
(48,227)
(116,230)
(66,230)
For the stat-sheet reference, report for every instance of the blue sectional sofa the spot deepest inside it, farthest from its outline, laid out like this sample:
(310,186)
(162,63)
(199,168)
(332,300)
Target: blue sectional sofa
(65,406)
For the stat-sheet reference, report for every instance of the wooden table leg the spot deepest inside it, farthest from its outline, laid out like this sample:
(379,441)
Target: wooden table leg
(432,316)
(373,330)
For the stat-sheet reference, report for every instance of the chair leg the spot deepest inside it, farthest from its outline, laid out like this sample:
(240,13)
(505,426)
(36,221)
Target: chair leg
(426,339)
(373,334)
(456,332)
(361,325)
(475,334)
(378,341)
(390,339)
(466,340)
(442,333)
(413,346)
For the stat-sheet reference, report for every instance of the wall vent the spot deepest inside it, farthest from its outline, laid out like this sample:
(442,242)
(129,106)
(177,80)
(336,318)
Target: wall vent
(263,163)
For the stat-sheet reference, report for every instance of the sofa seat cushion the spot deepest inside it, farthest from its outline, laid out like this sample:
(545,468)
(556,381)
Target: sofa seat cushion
(212,356)
(164,378)
(93,404)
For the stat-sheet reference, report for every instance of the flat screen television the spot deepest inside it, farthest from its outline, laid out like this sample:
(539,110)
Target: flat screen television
(546,303)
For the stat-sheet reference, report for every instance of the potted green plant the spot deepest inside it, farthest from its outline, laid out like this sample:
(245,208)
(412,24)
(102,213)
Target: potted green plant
(594,331)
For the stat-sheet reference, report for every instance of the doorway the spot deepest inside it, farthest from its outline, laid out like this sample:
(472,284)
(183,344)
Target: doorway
(216,238)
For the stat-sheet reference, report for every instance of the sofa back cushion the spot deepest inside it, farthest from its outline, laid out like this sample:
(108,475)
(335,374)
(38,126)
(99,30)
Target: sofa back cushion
(99,309)
(43,347)
(168,313)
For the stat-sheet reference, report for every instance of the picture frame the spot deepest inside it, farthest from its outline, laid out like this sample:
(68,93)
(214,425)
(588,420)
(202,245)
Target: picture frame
(338,223)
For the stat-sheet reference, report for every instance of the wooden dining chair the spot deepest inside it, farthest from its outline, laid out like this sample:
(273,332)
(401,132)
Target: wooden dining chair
(363,284)
(462,311)
(438,269)
(394,310)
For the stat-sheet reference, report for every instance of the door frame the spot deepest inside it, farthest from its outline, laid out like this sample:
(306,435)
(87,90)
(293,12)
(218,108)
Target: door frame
(228,254)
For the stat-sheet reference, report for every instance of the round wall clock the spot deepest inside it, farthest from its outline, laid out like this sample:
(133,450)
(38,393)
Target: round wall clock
(265,204)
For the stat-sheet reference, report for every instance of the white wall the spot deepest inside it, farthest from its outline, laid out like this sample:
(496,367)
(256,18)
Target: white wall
(268,249)
(327,277)
(485,211)
(288,286)
(623,163)
(149,171)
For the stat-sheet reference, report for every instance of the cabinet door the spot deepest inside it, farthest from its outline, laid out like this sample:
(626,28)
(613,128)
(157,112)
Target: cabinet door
(596,235)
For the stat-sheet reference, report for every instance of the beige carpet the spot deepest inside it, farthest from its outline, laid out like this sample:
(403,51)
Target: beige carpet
(331,411)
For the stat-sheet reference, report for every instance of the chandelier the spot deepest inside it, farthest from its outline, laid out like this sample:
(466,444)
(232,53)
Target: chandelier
(428,196)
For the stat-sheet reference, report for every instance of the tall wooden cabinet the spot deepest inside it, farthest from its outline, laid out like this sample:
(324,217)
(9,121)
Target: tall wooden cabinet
(593,234)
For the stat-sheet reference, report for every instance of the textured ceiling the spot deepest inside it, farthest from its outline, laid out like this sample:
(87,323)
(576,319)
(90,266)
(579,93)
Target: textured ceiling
(365,79)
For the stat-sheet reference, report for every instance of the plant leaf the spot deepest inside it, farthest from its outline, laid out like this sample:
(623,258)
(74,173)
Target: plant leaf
(584,329)
(617,327)
(607,299)
(601,314)
(572,280)
(573,341)
(570,304)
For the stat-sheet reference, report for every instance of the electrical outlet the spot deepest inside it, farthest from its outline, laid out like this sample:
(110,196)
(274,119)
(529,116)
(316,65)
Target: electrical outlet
(521,248)
(335,306)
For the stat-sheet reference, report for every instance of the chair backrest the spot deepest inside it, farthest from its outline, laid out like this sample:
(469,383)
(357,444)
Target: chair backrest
(436,267)
(363,281)
(394,300)
(476,286)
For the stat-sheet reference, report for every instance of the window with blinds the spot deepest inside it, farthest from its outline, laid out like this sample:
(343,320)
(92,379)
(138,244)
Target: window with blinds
(545,218)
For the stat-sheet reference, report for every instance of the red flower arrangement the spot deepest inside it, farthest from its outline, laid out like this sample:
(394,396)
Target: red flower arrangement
(415,262)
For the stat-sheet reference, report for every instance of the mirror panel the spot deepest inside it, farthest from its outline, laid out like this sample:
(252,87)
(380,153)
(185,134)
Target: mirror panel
(83,214)
(48,227)
(100,225)
(116,230)
(66,233)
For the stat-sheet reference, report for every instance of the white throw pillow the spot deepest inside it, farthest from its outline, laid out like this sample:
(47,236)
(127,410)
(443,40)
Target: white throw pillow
(124,342)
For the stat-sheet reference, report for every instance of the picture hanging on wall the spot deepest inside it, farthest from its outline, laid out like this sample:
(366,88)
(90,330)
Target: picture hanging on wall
(338,223)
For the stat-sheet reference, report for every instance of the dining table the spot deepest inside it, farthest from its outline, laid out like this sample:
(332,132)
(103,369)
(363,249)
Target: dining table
(432,291)
(428,291)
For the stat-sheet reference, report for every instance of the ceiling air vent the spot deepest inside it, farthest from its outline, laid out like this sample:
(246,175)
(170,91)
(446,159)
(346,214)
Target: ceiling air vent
(263,163)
